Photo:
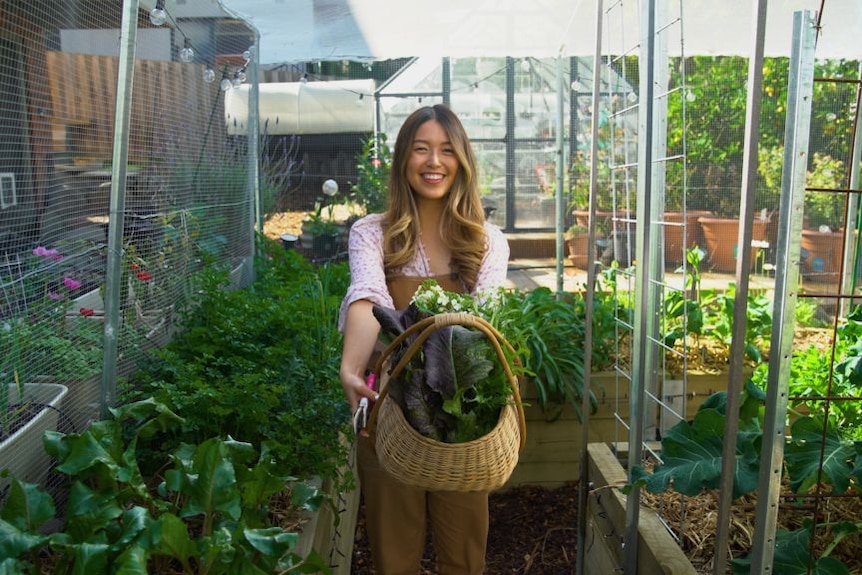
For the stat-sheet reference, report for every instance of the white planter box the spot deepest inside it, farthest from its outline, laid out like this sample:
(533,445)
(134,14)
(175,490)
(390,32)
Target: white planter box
(22,453)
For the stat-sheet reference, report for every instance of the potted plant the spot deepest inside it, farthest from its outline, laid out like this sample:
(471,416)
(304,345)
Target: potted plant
(321,233)
(578,242)
(41,354)
(822,236)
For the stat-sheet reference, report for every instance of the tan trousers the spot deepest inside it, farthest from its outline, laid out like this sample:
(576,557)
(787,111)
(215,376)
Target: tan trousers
(396,516)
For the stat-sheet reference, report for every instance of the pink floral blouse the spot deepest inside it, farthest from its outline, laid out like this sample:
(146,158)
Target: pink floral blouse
(367,280)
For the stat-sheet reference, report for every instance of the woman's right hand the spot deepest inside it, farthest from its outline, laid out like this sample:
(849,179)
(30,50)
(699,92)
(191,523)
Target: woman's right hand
(355,389)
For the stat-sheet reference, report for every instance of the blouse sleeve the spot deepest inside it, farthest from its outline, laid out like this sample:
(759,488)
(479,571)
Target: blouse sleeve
(367,279)
(492,273)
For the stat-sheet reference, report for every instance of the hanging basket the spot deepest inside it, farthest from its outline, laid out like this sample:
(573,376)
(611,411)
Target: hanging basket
(483,464)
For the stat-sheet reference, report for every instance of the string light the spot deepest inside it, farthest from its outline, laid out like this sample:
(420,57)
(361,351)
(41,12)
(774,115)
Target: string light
(236,82)
(187,54)
(209,74)
(225,84)
(241,75)
(158,16)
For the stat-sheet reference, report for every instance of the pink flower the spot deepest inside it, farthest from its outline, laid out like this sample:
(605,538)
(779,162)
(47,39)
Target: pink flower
(71,283)
(54,295)
(40,251)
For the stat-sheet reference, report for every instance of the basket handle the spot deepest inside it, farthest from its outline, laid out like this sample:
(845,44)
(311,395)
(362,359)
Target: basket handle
(428,326)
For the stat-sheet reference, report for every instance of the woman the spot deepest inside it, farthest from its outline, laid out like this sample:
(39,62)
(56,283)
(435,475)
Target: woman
(434,227)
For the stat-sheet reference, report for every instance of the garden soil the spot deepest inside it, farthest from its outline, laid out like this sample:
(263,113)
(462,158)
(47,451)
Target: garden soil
(532,530)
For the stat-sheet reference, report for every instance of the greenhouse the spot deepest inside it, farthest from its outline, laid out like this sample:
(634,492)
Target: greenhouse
(678,184)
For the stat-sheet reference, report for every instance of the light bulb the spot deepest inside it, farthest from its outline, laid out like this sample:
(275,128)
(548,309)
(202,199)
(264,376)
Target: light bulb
(187,54)
(209,75)
(247,55)
(158,16)
(236,82)
(241,75)
(330,187)
(225,84)
(690,95)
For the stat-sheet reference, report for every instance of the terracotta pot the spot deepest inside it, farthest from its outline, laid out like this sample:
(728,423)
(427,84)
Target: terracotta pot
(675,245)
(821,255)
(604,219)
(721,236)
(578,247)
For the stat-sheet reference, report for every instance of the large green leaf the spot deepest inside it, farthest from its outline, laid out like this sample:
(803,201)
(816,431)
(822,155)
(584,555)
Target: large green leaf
(27,506)
(792,557)
(172,538)
(272,541)
(90,512)
(803,455)
(692,453)
(212,483)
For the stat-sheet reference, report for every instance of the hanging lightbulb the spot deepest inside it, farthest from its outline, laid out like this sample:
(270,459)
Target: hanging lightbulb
(241,75)
(209,74)
(187,54)
(690,95)
(236,82)
(225,84)
(247,55)
(158,16)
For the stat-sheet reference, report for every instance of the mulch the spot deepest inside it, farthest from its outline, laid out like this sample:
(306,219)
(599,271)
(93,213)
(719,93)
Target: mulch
(533,530)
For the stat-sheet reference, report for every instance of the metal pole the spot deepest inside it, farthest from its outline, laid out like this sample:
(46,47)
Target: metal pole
(734,378)
(796,135)
(851,224)
(253,155)
(116,213)
(584,479)
(642,288)
(561,157)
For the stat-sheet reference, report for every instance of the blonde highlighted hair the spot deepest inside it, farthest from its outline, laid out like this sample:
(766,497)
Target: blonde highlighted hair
(462,223)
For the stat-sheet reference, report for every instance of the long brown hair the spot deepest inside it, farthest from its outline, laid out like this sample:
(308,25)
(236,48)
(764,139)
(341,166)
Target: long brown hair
(462,223)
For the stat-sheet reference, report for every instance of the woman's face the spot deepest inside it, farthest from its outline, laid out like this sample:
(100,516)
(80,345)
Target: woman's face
(433,165)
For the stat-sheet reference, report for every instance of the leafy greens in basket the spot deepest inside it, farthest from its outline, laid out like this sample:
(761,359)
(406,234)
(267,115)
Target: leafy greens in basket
(453,389)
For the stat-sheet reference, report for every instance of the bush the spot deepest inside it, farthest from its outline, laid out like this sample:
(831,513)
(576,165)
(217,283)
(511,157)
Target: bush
(260,363)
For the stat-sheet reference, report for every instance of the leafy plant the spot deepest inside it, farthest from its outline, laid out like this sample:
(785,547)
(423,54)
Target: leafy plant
(372,166)
(259,363)
(816,452)
(208,514)
(454,389)
(546,333)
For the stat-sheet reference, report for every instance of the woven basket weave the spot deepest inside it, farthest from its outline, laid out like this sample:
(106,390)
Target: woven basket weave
(483,464)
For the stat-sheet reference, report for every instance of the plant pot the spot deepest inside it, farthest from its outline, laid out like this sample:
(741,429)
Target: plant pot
(821,255)
(289,241)
(578,247)
(321,247)
(721,236)
(679,238)
(22,452)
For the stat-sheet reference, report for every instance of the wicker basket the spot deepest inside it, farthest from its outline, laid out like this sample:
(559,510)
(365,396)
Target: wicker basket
(483,464)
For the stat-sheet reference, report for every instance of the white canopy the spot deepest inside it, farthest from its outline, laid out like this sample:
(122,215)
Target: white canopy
(312,30)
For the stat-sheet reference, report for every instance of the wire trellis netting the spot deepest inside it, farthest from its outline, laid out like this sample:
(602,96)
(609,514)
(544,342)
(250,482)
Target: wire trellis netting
(180,202)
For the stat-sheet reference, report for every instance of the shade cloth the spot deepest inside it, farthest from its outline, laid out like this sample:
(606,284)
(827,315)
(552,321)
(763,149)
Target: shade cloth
(311,30)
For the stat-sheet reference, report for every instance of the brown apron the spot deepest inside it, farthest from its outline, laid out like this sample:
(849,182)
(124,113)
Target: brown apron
(396,514)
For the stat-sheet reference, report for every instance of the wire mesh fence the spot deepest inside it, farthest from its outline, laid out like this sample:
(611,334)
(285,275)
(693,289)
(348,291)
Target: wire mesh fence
(187,201)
